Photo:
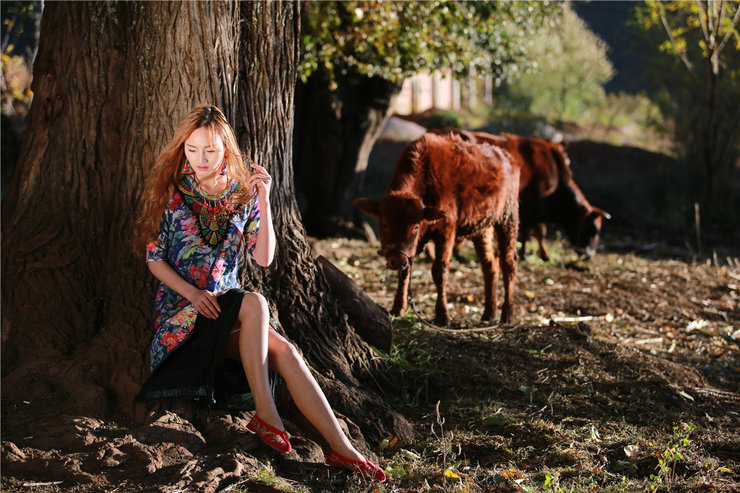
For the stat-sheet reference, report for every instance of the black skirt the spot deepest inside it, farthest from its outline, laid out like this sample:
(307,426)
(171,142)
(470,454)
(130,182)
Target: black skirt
(198,370)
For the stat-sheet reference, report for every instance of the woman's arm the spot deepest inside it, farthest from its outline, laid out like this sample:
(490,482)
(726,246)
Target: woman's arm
(205,302)
(264,248)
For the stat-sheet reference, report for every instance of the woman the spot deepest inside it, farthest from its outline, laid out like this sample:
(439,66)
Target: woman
(201,203)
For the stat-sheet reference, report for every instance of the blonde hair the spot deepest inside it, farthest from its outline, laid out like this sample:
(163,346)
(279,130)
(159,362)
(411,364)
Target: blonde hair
(167,171)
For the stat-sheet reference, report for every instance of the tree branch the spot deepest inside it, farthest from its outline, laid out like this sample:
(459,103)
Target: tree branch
(681,54)
(703,8)
(729,32)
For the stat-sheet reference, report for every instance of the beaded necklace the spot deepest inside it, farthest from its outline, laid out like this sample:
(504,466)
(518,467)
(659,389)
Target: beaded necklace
(214,212)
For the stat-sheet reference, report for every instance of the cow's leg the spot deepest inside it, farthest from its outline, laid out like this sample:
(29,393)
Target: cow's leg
(456,250)
(540,232)
(440,272)
(401,299)
(523,237)
(487,258)
(506,234)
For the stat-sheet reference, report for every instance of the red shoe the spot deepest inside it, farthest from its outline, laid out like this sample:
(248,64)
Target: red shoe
(270,435)
(363,468)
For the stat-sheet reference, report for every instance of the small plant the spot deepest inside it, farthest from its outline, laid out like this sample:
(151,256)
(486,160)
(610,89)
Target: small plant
(670,456)
(552,483)
(444,443)
(445,446)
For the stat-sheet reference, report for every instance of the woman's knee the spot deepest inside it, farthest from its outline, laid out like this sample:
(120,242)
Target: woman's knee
(254,305)
(283,353)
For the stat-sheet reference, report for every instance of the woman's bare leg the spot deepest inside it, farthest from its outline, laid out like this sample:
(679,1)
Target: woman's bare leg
(306,393)
(259,348)
(249,345)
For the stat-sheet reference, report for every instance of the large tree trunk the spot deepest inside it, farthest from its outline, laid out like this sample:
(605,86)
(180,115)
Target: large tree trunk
(335,132)
(75,300)
(112,80)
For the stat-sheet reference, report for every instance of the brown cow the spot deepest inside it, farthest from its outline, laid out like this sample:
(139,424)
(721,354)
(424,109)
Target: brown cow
(445,188)
(548,193)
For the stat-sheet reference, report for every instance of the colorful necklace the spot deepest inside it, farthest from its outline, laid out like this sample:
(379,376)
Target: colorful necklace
(214,212)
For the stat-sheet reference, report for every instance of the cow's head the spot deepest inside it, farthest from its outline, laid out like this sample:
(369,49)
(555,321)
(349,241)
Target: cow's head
(586,238)
(401,221)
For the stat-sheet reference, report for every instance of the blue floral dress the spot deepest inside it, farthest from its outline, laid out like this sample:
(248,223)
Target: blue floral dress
(213,267)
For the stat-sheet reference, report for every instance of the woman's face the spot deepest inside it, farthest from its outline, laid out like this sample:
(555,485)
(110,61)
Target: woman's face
(205,151)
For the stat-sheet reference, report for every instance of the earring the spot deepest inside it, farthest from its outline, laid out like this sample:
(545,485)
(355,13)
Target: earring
(187,170)
(224,167)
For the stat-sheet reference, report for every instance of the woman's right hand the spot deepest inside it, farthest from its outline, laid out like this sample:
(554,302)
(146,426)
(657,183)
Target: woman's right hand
(205,303)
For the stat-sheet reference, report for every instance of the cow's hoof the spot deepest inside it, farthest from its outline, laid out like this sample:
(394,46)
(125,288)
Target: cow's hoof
(442,321)
(487,316)
(397,312)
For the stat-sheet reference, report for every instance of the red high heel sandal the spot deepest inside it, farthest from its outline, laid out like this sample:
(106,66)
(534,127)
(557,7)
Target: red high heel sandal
(270,435)
(363,468)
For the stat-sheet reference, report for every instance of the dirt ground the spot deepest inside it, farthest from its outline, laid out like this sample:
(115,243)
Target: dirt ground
(619,375)
(611,366)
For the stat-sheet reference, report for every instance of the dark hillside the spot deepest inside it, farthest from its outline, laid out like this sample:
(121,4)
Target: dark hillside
(651,197)
(627,52)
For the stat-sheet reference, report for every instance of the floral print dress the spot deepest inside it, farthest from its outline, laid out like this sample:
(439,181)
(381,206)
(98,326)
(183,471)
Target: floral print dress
(209,267)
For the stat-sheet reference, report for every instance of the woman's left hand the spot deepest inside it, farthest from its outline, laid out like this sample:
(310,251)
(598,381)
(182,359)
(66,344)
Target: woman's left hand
(261,180)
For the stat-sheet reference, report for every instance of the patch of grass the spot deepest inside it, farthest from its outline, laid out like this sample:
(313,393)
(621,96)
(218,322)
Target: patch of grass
(559,250)
(267,476)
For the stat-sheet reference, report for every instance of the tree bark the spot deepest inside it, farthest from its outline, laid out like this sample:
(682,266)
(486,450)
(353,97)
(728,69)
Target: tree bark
(76,301)
(335,132)
(370,320)
(306,308)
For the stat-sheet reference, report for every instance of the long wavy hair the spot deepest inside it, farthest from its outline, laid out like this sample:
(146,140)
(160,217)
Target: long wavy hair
(163,177)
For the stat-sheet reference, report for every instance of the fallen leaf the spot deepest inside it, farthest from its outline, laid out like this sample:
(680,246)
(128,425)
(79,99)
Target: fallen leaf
(696,324)
(409,454)
(685,395)
(630,450)
(595,434)
(512,474)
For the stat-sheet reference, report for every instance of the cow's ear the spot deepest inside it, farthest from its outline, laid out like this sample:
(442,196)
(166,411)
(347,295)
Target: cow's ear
(369,207)
(433,213)
(602,213)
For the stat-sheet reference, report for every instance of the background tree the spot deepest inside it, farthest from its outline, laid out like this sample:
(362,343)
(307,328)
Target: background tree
(697,82)
(76,301)
(18,44)
(355,56)
(570,67)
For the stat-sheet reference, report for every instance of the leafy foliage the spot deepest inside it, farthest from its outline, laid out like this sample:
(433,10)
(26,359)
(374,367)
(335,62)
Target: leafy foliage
(16,92)
(17,46)
(567,76)
(393,40)
(697,81)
